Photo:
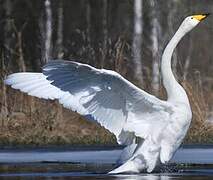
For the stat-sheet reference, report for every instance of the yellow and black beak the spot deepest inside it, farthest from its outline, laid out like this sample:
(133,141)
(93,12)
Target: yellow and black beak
(201,17)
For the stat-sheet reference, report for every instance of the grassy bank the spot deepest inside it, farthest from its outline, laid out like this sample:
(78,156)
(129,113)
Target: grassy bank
(32,121)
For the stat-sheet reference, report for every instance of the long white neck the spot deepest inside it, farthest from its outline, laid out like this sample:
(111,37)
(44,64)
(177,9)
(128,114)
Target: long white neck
(175,91)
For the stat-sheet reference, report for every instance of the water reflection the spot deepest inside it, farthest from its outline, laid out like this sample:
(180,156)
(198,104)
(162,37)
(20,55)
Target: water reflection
(143,177)
(66,171)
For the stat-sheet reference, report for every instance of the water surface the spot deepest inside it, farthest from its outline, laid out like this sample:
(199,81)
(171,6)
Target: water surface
(188,163)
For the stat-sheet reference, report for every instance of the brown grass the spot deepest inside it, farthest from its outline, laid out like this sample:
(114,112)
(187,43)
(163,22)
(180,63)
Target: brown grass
(201,131)
(32,121)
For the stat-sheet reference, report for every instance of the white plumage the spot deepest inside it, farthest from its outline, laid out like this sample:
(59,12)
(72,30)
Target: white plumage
(152,129)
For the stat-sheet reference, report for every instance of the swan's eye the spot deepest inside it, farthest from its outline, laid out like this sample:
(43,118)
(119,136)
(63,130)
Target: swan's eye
(192,18)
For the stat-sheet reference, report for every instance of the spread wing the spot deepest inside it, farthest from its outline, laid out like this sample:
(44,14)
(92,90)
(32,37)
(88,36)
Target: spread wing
(106,96)
(102,95)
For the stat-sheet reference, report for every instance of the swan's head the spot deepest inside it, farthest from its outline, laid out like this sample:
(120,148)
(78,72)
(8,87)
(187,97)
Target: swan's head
(191,21)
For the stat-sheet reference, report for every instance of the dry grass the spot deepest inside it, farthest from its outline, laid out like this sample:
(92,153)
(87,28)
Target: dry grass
(201,131)
(32,121)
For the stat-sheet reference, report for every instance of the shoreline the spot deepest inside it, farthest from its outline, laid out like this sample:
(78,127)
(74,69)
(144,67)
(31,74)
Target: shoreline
(58,148)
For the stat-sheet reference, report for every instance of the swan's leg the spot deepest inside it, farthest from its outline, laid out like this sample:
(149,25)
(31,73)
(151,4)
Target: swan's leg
(127,153)
(133,165)
(145,157)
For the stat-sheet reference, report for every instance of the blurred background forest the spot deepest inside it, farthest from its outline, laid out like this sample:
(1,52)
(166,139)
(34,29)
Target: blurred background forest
(127,36)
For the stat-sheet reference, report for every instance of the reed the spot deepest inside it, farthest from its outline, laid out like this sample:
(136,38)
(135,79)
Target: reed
(201,131)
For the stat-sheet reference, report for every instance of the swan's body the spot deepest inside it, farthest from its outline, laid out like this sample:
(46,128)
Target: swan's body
(118,105)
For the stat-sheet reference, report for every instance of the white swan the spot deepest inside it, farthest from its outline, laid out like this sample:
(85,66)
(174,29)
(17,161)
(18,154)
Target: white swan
(152,129)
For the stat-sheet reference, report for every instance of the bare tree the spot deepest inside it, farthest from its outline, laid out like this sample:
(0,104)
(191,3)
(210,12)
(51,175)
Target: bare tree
(172,5)
(4,105)
(105,32)
(48,31)
(156,33)
(19,52)
(59,41)
(6,56)
(189,51)
(137,40)
(8,30)
(188,60)
(88,21)
(89,44)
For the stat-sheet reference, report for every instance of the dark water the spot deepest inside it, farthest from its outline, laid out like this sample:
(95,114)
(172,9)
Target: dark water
(188,163)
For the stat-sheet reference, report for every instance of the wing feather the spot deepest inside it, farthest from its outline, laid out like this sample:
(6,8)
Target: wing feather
(107,97)
(102,95)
